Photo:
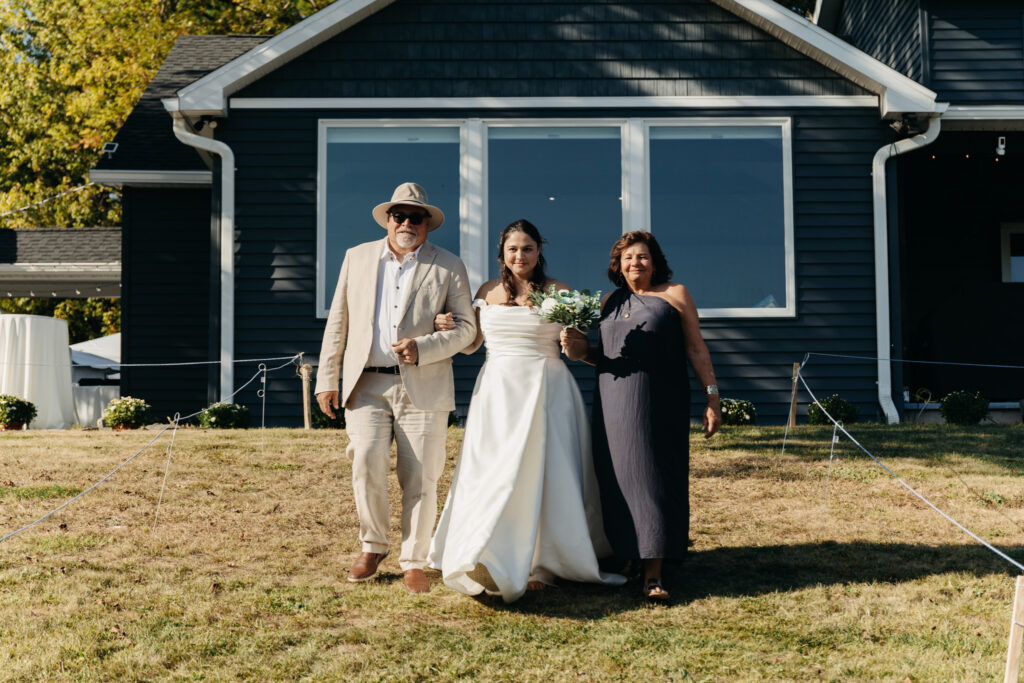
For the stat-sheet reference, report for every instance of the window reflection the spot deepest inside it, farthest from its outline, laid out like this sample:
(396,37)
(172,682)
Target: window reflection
(566,181)
(365,165)
(717,209)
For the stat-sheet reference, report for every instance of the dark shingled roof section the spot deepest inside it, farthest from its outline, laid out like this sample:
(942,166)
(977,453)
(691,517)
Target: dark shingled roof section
(145,141)
(60,245)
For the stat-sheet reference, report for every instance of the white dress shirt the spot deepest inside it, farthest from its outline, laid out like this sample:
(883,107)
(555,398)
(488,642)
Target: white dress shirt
(394,278)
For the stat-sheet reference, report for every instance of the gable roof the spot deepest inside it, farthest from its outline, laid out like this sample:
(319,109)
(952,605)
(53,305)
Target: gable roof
(209,94)
(146,147)
(897,93)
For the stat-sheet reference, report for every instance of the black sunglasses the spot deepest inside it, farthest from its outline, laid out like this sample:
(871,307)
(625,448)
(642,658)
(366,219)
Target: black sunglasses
(414,218)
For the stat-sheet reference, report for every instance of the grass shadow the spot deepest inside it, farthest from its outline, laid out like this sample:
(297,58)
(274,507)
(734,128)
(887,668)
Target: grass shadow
(754,571)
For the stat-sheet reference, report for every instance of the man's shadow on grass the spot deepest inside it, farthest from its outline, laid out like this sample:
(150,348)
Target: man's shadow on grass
(753,571)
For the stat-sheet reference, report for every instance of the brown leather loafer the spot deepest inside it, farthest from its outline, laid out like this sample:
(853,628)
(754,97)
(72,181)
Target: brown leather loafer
(416,581)
(365,566)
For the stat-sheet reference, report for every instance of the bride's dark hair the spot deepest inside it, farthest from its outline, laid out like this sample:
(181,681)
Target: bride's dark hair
(538,277)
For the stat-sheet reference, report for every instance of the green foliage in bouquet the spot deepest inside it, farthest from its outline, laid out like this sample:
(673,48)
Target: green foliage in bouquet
(577,309)
(838,407)
(224,416)
(737,412)
(126,413)
(963,407)
(15,411)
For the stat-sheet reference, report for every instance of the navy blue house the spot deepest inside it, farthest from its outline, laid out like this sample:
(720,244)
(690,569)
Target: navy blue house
(793,171)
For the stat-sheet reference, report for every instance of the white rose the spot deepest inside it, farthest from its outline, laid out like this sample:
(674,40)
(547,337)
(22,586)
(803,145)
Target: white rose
(548,306)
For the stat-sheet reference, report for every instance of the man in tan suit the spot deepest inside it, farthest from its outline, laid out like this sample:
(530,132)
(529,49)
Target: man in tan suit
(396,373)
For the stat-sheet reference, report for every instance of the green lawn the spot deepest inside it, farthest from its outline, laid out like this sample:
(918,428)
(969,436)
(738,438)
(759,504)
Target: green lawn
(244,575)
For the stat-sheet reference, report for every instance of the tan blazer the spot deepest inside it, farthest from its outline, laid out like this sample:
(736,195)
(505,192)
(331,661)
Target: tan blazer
(439,285)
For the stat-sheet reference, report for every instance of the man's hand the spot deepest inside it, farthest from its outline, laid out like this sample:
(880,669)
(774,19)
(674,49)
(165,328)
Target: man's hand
(326,400)
(407,351)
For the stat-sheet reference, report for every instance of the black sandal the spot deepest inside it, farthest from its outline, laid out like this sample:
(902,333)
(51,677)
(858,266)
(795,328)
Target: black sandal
(654,591)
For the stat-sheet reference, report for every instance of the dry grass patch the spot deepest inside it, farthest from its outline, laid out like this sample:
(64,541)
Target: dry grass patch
(244,575)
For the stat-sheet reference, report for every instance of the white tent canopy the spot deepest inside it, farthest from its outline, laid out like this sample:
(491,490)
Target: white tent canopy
(96,358)
(103,353)
(35,364)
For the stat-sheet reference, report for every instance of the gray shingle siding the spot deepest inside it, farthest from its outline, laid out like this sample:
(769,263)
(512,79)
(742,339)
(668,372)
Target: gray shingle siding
(888,30)
(832,152)
(433,48)
(977,51)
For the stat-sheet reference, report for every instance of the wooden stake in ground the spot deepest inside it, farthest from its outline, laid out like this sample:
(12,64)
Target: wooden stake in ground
(1016,635)
(305,370)
(792,401)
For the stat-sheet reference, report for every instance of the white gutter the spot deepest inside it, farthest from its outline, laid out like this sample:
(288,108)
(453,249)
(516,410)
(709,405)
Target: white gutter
(883,335)
(227,241)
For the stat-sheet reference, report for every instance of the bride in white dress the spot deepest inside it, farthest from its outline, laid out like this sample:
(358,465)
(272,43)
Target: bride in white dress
(523,507)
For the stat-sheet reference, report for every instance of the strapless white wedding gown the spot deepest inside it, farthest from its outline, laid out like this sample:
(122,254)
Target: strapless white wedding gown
(524,500)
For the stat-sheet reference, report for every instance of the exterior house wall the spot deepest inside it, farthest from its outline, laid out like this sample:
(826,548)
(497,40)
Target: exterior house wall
(428,48)
(165,297)
(976,51)
(888,30)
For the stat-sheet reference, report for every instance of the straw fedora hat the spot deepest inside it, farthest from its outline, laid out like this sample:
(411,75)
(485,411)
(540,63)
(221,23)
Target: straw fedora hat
(409,194)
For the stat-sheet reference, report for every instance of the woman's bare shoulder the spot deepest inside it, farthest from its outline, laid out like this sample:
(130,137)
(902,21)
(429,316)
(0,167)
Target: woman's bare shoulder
(677,295)
(558,284)
(492,292)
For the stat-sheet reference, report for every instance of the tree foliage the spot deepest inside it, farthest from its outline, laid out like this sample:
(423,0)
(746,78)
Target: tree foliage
(86,318)
(73,70)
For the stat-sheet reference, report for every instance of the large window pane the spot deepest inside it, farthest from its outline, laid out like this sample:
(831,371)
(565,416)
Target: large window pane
(567,182)
(717,209)
(365,165)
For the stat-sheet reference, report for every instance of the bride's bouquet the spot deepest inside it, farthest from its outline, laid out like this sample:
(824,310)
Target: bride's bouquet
(569,309)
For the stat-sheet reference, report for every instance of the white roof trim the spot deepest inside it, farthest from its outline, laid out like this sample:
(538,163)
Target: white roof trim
(50,269)
(961,112)
(129,177)
(209,94)
(897,93)
(680,102)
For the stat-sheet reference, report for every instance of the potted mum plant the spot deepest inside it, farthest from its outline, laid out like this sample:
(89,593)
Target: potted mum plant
(126,413)
(15,412)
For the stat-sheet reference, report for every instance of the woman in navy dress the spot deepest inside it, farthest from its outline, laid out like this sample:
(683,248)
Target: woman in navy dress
(648,331)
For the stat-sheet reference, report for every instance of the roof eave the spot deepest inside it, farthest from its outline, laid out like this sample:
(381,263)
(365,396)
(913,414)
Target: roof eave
(209,95)
(897,94)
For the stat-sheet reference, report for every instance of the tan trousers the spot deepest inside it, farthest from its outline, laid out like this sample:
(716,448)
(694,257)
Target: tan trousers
(378,412)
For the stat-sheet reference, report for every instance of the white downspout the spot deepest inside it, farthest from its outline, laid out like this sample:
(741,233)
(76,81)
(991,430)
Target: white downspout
(227,242)
(882,259)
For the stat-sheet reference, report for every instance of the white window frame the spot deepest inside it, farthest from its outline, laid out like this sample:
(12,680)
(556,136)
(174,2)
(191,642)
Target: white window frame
(635,161)
(322,297)
(789,242)
(1005,230)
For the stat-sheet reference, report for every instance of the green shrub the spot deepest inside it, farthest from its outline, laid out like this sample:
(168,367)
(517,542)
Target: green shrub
(737,412)
(15,411)
(224,416)
(321,421)
(126,413)
(963,407)
(838,407)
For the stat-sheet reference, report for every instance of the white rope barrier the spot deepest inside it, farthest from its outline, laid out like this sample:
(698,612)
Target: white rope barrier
(907,486)
(174,425)
(915,362)
(154,365)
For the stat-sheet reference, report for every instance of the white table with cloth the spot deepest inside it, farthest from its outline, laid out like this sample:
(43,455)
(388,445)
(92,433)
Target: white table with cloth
(35,364)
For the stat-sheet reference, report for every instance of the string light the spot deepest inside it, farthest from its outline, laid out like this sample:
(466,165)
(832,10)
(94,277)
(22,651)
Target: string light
(67,294)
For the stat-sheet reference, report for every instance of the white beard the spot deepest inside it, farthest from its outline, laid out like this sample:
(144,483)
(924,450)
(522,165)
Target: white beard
(405,240)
